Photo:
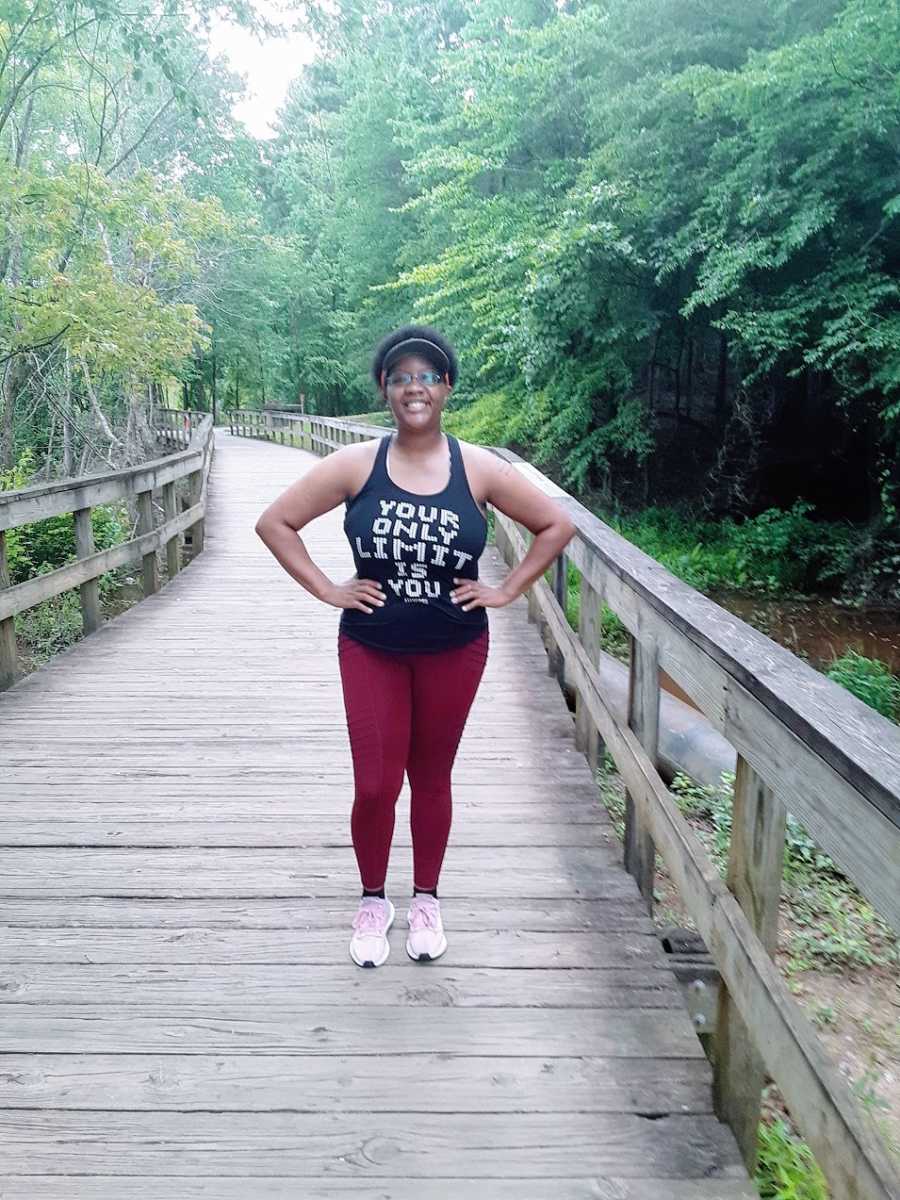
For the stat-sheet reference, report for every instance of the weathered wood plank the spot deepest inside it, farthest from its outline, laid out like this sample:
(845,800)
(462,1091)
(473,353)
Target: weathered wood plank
(142,985)
(162,1186)
(30,871)
(513,949)
(447,1083)
(296,829)
(612,1033)
(308,1145)
(321,912)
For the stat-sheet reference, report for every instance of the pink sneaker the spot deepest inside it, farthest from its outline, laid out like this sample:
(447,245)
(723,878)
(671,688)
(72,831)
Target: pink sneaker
(426,940)
(369,945)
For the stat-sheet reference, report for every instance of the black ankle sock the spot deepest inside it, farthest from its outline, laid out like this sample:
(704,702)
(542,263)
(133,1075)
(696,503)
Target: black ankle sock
(425,892)
(379,893)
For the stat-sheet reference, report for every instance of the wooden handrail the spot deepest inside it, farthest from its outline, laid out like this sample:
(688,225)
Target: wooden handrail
(804,745)
(78,496)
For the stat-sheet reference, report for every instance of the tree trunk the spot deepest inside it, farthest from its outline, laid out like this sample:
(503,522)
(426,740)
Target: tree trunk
(99,415)
(7,408)
(68,459)
(11,250)
(213,383)
(722,383)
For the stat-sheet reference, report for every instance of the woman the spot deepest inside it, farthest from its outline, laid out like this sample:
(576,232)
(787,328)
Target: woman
(413,637)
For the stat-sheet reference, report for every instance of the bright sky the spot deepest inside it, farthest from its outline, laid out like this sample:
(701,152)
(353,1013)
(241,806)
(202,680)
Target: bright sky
(269,66)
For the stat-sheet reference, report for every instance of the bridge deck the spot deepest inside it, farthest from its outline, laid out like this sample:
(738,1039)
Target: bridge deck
(179,1014)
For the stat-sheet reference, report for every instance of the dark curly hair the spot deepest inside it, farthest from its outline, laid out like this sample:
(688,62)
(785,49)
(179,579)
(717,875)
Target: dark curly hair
(441,353)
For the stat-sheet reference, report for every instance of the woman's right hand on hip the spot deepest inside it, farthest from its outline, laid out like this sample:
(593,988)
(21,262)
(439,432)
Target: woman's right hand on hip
(364,594)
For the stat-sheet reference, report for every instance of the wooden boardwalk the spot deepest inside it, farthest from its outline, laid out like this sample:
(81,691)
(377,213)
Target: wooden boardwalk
(179,1017)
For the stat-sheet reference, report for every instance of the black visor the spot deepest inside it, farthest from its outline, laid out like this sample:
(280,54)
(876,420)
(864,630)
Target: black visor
(420,346)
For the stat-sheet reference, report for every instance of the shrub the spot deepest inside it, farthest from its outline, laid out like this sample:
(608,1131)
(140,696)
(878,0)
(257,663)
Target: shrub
(786,1169)
(870,681)
(777,552)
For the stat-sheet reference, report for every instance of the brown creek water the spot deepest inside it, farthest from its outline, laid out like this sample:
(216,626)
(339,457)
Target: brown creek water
(816,630)
(820,630)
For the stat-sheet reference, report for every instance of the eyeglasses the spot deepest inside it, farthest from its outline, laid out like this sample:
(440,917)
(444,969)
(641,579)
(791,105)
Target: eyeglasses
(403,378)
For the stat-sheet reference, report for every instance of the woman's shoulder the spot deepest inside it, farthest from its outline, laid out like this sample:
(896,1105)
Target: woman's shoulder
(357,460)
(481,466)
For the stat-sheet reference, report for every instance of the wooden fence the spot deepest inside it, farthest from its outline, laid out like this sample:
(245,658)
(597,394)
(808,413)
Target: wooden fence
(178,481)
(804,745)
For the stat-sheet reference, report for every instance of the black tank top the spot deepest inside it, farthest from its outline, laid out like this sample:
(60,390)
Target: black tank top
(415,546)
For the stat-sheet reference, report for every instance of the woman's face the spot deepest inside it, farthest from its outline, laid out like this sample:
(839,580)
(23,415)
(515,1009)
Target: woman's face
(414,404)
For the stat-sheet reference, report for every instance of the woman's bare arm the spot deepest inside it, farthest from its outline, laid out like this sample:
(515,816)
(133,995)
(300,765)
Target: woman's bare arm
(508,491)
(321,489)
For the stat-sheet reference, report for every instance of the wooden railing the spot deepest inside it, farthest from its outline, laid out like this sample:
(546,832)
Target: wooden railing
(318,434)
(804,745)
(176,426)
(180,482)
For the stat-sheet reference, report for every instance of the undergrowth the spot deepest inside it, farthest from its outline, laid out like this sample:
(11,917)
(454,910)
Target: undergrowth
(43,546)
(831,924)
(828,926)
(786,1169)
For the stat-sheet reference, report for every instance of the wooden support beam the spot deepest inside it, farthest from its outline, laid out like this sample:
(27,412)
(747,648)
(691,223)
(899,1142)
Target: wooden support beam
(643,718)
(755,861)
(587,738)
(557,664)
(198,531)
(145,525)
(9,659)
(89,591)
(173,545)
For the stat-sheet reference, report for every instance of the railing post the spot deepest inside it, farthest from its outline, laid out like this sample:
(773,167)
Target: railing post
(501,541)
(587,738)
(9,659)
(643,718)
(557,663)
(755,862)
(145,525)
(173,550)
(90,591)
(198,529)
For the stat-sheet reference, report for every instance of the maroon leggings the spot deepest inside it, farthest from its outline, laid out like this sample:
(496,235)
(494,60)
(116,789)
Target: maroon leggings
(405,712)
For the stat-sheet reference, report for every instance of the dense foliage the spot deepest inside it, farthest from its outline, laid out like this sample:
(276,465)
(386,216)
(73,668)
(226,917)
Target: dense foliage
(667,244)
(660,240)
(125,220)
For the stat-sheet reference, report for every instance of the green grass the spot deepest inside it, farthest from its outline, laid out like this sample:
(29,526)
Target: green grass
(780,552)
(870,681)
(786,1169)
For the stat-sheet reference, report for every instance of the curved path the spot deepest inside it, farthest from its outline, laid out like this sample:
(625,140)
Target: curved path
(178,1014)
